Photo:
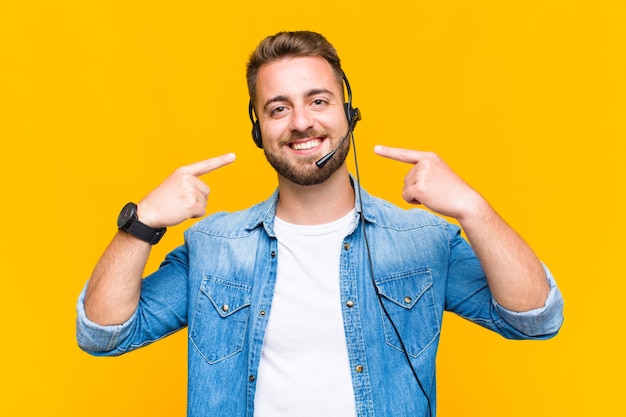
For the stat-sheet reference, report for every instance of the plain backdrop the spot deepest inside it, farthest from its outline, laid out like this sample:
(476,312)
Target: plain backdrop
(100,101)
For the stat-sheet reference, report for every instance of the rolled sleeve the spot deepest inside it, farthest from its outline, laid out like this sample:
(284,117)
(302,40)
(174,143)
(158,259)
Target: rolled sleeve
(540,322)
(96,339)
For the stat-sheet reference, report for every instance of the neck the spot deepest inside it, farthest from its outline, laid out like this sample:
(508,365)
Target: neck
(316,204)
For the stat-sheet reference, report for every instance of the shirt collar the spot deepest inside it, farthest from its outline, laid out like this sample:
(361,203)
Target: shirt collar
(265,212)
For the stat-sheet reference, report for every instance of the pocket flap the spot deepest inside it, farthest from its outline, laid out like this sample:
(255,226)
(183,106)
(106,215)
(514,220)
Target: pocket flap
(405,289)
(226,296)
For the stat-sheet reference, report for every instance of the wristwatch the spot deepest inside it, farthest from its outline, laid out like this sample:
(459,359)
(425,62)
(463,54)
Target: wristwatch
(128,222)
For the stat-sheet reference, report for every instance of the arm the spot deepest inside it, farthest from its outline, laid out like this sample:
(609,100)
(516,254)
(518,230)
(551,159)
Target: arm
(114,288)
(515,275)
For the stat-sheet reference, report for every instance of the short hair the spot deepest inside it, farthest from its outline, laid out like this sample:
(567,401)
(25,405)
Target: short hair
(291,45)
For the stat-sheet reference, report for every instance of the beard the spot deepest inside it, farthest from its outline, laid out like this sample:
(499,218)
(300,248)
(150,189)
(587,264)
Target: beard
(306,171)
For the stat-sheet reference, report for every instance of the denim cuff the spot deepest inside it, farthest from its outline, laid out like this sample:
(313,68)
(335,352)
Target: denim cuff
(94,338)
(542,321)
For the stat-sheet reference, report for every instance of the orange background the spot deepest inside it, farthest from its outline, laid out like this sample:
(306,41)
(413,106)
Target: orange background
(100,101)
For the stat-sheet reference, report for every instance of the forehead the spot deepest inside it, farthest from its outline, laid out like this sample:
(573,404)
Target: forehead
(292,77)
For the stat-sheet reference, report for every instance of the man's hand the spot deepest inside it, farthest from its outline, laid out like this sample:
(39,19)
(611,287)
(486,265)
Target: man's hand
(432,183)
(183,195)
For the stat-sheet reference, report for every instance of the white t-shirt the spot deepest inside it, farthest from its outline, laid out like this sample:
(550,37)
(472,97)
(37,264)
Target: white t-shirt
(304,369)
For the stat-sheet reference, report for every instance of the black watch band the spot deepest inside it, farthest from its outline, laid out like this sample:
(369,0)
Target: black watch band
(129,222)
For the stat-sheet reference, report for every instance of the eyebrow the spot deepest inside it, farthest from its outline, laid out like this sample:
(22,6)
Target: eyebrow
(309,93)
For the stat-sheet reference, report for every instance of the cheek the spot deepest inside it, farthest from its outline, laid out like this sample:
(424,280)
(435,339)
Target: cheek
(275,128)
(336,121)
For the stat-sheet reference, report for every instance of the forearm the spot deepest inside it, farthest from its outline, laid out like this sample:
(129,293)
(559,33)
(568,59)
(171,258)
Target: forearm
(115,285)
(515,275)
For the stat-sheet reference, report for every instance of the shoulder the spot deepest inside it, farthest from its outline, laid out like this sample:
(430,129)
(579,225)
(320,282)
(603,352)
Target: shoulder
(235,224)
(386,214)
(416,221)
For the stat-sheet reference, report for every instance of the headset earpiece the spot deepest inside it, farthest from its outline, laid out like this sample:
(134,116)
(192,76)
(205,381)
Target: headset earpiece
(256,128)
(353,115)
(256,134)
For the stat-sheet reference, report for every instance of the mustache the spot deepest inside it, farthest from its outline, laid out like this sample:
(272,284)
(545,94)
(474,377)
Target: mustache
(309,133)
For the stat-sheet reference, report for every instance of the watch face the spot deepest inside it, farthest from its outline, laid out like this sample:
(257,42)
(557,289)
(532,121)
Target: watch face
(126,215)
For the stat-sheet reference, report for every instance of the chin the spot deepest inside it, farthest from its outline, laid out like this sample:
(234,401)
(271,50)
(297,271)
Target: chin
(307,173)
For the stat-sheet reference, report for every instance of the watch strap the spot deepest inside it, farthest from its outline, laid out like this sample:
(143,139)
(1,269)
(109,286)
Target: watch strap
(145,232)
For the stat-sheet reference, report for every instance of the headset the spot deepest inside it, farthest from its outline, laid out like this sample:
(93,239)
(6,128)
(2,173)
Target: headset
(353,115)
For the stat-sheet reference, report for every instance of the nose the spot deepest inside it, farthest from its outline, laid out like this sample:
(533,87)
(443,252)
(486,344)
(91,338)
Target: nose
(301,119)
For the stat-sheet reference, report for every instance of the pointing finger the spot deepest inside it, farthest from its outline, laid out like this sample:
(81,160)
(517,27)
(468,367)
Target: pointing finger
(203,167)
(398,154)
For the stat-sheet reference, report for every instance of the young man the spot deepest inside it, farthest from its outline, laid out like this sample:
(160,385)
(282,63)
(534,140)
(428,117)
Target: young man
(322,300)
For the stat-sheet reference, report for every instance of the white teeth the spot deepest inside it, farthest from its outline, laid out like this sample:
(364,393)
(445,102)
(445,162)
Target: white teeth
(305,145)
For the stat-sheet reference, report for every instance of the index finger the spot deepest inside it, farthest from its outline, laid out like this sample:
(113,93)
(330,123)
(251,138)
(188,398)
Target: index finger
(203,167)
(398,154)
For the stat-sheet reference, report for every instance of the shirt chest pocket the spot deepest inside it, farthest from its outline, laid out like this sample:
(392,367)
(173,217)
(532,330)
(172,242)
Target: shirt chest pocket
(409,301)
(220,318)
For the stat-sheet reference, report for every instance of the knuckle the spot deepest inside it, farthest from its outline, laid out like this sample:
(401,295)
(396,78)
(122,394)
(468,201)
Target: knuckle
(430,156)
(180,170)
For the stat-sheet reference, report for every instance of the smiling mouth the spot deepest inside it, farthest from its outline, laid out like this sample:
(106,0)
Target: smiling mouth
(303,146)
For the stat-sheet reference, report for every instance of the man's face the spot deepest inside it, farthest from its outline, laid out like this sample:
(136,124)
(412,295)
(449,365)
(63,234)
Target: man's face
(300,109)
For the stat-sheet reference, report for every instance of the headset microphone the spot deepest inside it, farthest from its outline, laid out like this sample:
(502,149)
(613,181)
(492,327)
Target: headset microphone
(355,117)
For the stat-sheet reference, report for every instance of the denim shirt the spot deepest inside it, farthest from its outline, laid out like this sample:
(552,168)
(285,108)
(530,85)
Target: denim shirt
(220,285)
